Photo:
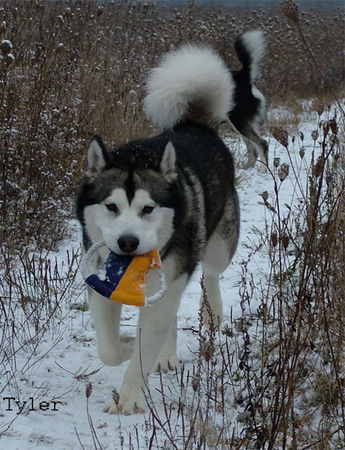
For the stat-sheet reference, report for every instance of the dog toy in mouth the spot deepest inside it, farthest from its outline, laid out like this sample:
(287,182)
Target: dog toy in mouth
(122,278)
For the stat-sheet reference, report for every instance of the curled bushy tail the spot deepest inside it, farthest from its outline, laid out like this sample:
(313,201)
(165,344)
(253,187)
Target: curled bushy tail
(250,49)
(189,83)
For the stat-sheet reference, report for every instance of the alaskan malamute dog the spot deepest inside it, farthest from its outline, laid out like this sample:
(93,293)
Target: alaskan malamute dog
(174,192)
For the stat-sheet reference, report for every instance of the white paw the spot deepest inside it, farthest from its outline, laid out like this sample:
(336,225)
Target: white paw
(112,408)
(131,403)
(166,363)
(120,352)
(128,402)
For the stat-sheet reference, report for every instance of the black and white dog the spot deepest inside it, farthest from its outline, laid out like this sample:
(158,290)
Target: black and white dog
(174,192)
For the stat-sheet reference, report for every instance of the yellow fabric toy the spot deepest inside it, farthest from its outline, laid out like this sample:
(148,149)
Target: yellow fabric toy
(122,278)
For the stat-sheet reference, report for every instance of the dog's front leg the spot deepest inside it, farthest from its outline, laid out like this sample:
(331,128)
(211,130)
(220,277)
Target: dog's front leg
(168,358)
(113,349)
(154,326)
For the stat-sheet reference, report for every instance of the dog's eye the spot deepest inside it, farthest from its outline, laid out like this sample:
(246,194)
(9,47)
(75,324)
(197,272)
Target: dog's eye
(147,210)
(112,207)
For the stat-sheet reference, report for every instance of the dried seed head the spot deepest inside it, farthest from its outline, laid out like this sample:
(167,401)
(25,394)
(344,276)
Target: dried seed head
(283,171)
(239,399)
(8,59)
(314,134)
(206,350)
(5,47)
(333,140)
(276,162)
(326,127)
(301,135)
(2,27)
(55,113)
(281,136)
(334,126)
(195,383)
(301,152)
(274,239)
(243,417)
(88,390)
(115,396)
(290,10)
(320,110)
(264,195)
(285,240)
(318,167)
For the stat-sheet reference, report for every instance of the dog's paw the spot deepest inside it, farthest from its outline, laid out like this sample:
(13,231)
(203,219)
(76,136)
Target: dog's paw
(126,406)
(167,363)
(121,351)
(130,401)
(112,408)
(131,404)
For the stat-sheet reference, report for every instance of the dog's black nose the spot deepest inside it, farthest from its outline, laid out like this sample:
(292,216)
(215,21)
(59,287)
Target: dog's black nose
(128,243)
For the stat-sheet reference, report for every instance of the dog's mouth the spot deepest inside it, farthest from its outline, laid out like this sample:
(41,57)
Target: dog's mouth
(121,253)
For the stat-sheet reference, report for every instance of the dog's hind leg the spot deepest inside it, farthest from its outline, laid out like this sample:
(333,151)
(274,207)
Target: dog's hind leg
(255,145)
(252,153)
(219,252)
(211,301)
(113,349)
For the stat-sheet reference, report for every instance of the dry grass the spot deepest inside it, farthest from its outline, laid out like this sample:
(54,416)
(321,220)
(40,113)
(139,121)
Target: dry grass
(78,69)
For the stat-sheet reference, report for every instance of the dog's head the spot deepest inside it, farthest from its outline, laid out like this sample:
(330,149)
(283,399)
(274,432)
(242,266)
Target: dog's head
(128,196)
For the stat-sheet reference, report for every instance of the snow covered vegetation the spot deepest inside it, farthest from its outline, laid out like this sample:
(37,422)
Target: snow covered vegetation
(273,375)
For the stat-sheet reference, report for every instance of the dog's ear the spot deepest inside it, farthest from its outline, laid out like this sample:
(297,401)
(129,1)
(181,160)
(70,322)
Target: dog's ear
(168,162)
(97,155)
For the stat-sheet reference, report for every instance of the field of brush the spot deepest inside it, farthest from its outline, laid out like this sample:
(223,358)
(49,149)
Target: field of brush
(273,376)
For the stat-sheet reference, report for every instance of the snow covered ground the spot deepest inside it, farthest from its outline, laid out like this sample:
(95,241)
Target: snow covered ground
(44,404)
